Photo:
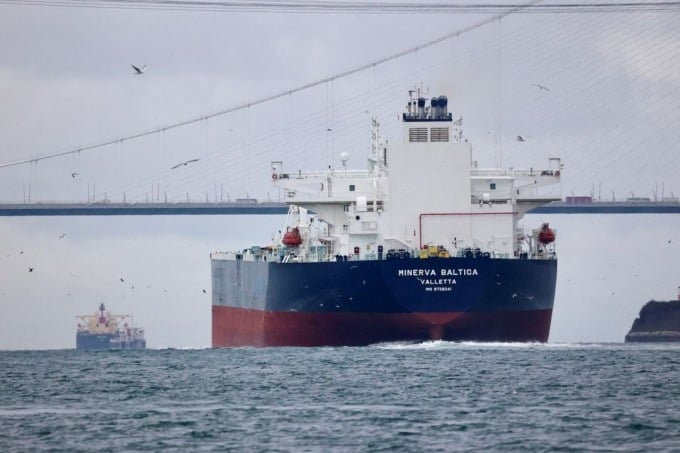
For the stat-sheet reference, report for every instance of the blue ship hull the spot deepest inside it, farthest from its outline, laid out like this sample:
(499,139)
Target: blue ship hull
(264,303)
(91,341)
(87,341)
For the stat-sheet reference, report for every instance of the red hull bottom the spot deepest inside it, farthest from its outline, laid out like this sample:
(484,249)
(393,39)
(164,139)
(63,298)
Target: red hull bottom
(233,327)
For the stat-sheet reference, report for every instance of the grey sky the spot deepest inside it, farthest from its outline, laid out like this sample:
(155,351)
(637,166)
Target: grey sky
(65,81)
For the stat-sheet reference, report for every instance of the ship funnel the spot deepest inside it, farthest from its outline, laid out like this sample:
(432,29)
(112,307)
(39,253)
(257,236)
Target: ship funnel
(421,107)
(434,104)
(443,101)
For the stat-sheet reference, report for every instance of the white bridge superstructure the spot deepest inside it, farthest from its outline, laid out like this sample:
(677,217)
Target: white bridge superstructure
(422,196)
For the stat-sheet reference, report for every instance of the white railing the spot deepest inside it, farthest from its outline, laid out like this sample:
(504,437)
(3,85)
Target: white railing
(498,172)
(490,172)
(323,174)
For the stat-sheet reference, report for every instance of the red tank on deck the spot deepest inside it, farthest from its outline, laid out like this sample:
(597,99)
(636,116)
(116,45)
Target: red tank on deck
(292,238)
(546,235)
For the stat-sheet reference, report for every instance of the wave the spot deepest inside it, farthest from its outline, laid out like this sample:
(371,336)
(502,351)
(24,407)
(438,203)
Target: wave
(440,344)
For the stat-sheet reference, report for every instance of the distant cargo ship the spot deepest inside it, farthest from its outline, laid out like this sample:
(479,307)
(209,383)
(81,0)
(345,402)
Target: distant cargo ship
(421,245)
(102,330)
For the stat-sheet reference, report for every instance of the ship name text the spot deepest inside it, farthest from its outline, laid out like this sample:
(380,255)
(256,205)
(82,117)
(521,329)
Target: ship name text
(438,279)
(434,273)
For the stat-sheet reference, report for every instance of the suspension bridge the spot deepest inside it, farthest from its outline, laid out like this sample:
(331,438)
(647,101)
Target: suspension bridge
(596,87)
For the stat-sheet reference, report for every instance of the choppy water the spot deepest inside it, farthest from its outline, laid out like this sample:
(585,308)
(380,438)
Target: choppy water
(427,397)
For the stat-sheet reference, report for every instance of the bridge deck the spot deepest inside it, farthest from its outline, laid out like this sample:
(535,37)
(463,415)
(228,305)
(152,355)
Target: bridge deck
(108,209)
(609,207)
(101,209)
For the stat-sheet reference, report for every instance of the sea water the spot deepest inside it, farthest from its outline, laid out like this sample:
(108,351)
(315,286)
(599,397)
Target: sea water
(394,397)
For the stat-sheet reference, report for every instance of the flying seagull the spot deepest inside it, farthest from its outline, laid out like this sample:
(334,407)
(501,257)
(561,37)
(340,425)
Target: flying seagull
(521,138)
(138,70)
(74,174)
(540,87)
(62,235)
(185,163)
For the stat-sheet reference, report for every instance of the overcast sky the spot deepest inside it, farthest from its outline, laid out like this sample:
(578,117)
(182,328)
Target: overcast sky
(611,112)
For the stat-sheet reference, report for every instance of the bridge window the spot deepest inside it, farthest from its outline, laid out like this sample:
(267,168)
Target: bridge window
(351,188)
(417,134)
(439,134)
(378,206)
(492,186)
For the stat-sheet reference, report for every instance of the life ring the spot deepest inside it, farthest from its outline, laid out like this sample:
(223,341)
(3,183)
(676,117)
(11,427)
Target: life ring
(275,176)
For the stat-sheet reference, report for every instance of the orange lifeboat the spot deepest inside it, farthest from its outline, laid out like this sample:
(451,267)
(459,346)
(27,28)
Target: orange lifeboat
(292,238)
(546,235)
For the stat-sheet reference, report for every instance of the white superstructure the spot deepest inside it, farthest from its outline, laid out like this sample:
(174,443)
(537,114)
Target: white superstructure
(422,196)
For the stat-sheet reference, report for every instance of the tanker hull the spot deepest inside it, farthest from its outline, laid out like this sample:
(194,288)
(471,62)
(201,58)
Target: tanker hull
(260,303)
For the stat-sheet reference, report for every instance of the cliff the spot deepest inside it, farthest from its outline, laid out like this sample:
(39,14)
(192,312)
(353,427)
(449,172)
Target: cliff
(658,322)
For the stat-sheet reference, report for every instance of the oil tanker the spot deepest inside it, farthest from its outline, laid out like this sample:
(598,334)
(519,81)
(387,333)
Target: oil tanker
(422,244)
(102,330)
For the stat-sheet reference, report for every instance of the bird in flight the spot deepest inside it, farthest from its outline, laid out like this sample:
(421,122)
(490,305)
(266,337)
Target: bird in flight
(139,70)
(185,163)
(62,235)
(540,87)
(74,174)
(521,138)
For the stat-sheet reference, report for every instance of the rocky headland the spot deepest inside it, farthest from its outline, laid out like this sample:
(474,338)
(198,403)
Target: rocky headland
(658,322)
